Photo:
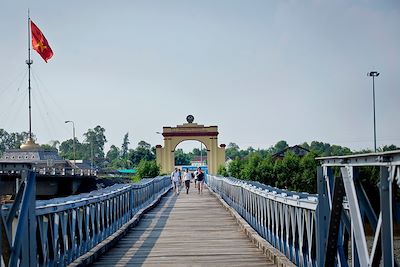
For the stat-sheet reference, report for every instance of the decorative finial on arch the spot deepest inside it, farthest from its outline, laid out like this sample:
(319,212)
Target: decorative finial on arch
(190,118)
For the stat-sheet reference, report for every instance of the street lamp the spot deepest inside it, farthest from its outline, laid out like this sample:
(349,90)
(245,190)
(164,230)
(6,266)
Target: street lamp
(73,140)
(373,74)
(201,153)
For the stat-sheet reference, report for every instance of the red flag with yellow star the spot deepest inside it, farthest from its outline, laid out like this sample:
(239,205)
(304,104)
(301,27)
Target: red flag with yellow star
(39,43)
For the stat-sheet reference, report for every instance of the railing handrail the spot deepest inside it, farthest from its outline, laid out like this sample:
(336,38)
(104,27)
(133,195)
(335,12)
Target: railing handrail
(69,227)
(76,201)
(286,220)
(303,200)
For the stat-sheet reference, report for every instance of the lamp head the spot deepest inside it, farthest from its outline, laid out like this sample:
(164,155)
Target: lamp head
(373,74)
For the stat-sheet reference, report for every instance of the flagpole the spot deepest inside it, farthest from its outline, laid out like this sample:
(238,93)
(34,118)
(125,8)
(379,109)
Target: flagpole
(29,62)
(30,143)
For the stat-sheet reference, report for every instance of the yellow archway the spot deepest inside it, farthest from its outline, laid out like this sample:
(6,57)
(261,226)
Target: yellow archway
(208,135)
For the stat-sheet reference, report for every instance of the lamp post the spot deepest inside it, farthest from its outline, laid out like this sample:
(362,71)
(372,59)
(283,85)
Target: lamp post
(91,157)
(201,153)
(73,140)
(373,74)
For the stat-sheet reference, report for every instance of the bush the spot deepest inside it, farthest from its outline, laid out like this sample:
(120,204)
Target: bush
(147,169)
(222,171)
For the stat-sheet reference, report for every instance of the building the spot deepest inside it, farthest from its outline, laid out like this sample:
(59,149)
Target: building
(199,161)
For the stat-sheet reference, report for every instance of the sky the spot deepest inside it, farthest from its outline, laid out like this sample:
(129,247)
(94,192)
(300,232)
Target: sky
(262,71)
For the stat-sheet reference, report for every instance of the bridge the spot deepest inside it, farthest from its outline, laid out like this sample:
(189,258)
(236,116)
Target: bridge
(233,222)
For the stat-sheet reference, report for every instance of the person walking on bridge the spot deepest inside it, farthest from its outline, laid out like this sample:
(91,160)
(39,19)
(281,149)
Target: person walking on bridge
(200,180)
(187,176)
(175,177)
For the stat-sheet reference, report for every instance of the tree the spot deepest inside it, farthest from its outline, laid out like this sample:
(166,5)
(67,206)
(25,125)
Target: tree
(142,152)
(388,148)
(4,138)
(281,145)
(266,171)
(144,145)
(12,140)
(54,143)
(124,147)
(222,171)
(251,170)
(148,169)
(235,168)
(198,152)
(181,158)
(308,179)
(233,146)
(48,147)
(95,139)
(113,153)
(67,149)
(232,151)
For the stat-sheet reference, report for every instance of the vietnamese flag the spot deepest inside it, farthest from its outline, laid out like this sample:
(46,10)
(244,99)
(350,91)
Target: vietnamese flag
(39,43)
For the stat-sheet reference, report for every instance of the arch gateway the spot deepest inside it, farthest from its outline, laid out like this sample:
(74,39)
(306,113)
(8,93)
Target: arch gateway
(173,136)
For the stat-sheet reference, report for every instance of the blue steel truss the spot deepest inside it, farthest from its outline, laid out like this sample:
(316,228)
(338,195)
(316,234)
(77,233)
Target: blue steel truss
(58,231)
(342,225)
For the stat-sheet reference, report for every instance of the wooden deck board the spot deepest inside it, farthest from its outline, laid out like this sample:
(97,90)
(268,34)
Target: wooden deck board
(185,230)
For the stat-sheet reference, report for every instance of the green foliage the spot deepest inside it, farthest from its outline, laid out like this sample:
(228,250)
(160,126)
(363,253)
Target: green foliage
(95,140)
(232,151)
(235,167)
(325,149)
(11,140)
(48,147)
(124,147)
(287,171)
(142,152)
(291,172)
(67,149)
(147,169)
(181,158)
(222,171)
(144,145)
(388,148)
(266,170)
(308,179)
(113,153)
(281,145)
(251,170)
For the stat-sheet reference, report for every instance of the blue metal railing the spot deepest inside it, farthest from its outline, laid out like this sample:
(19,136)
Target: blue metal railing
(286,219)
(327,229)
(66,228)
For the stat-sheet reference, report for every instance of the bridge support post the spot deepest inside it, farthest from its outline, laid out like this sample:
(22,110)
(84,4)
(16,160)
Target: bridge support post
(23,245)
(322,213)
(386,210)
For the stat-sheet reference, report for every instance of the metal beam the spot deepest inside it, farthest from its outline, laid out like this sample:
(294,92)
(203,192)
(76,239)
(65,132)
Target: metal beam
(355,215)
(334,223)
(387,220)
(371,159)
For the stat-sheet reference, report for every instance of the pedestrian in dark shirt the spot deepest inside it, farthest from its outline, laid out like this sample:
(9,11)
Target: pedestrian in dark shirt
(200,180)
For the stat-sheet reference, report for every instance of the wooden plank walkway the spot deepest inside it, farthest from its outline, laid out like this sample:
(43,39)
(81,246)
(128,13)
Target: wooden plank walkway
(185,230)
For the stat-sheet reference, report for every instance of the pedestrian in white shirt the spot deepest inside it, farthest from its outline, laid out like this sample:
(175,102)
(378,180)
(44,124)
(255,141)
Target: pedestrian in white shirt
(175,177)
(187,176)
